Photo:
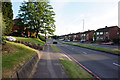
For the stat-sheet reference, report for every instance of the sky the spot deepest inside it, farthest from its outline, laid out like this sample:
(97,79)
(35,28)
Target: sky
(71,13)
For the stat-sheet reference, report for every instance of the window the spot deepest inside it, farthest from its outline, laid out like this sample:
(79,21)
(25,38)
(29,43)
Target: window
(87,35)
(97,33)
(97,38)
(74,35)
(106,32)
(101,33)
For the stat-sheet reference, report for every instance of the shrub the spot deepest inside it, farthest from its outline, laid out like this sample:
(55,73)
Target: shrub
(41,37)
(32,36)
(116,41)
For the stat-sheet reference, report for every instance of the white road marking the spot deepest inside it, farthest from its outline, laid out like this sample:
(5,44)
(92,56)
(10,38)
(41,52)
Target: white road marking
(84,52)
(116,64)
(67,57)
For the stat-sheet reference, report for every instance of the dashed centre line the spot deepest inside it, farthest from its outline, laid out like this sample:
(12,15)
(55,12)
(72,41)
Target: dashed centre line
(84,52)
(116,64)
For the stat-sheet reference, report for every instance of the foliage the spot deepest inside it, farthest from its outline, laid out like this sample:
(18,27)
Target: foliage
(71,39)
(21,25)
(32,36)
(41,37)
(56,49)
(2,24)
(38,16)
(74,70)
(95,36)
(14,56)
(31,40)
(8,17)
(116,41)
(55,37)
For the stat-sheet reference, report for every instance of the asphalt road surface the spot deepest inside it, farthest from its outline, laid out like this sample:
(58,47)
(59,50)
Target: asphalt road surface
(100,45)
(102,64)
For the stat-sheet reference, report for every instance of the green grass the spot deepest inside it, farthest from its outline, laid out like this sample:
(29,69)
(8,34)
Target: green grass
(31,40)
(96,48)
(14,56)
(74,70)
(56,49)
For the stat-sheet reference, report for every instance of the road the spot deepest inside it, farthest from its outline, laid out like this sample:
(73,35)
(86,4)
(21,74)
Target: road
(99,45)
(102,64)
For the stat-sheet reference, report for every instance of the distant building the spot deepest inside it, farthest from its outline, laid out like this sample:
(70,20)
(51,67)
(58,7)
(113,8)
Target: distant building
(78,35)
(87,35)
(107,33)
(16,27)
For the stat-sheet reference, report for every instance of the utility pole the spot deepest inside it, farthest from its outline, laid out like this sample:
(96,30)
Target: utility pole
(83,25)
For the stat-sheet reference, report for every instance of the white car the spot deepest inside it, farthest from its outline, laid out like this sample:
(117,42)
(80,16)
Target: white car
(11,38)
(82,40)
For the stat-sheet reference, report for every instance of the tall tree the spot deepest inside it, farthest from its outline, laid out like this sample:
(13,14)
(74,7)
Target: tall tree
(8,16)
(38,16)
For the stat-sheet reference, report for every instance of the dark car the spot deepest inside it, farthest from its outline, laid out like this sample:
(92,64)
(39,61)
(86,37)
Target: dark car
(54,42)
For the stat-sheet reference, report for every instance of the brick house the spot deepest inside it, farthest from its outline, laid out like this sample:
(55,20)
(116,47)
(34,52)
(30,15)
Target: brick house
(16,27)
(87,35)
(62,37)
(78,35)
(107,33)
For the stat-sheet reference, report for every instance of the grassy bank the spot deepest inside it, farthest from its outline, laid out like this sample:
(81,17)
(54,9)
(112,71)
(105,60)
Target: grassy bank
(56,49)
(96,48)
(14,56)
(31,40)
(74,70)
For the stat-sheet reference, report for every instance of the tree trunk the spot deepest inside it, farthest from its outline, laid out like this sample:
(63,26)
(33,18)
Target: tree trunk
(37,34)
(30,34)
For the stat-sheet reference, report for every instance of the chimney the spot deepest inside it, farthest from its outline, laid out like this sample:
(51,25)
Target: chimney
(105,26)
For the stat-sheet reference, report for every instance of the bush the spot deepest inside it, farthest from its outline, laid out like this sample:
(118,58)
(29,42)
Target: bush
(32,36)
(41,37)
(116,41)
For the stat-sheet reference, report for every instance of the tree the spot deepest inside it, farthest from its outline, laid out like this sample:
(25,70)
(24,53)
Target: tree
(8,16)
(2,24)
(38,16)
(95,36)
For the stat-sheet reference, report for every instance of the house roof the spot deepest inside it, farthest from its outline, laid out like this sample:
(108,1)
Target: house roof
(105,29)
(78,33)
(87,32)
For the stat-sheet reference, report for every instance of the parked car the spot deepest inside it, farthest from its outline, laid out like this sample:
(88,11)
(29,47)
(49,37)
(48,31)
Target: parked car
(54,42)
(11,38)
(74,40)
(67,40)
(61,39)
(82,40)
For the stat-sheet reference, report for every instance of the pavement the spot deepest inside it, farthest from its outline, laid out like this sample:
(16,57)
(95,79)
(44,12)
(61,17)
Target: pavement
(100,45)
(49,65)
(104,65)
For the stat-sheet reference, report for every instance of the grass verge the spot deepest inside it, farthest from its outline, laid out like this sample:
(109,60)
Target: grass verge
(31,40)
(14,56)
(74,70)
(56,49)
(117,52)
